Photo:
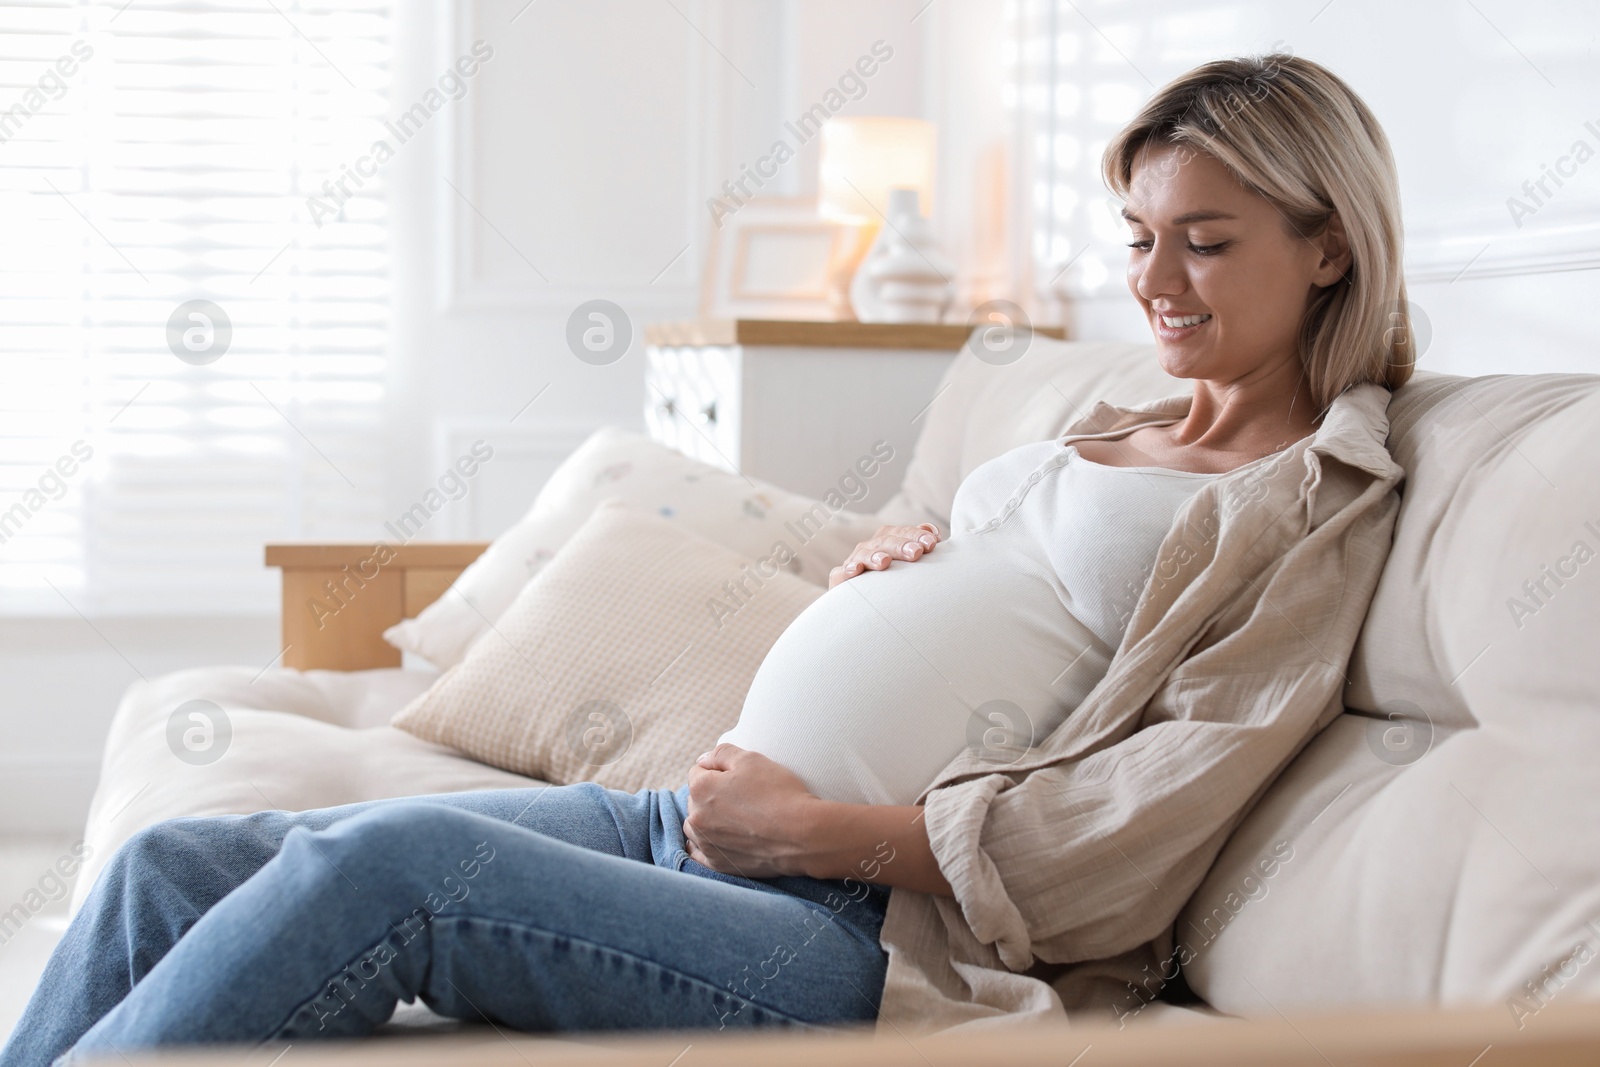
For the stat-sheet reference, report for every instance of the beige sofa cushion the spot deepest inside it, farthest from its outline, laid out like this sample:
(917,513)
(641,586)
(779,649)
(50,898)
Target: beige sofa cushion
(1450,434)
(1453,854)
(294,740)
(621,662)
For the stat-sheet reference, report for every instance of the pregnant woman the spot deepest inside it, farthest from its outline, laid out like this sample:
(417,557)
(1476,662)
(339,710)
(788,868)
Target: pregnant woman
(970,765)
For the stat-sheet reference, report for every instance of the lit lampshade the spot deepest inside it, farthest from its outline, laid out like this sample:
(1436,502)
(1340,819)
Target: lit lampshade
(863,158)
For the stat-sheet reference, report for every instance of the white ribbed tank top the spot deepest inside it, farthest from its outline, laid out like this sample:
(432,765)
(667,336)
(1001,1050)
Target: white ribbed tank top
(986,643)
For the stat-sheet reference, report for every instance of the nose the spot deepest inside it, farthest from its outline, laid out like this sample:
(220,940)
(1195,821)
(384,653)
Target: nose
(1158,272)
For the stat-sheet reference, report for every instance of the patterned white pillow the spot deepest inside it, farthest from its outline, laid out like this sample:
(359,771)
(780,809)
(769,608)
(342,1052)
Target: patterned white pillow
(624,659)
(747,515)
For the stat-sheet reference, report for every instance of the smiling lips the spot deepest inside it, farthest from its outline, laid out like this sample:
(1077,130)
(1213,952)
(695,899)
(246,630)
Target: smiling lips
(1179,327)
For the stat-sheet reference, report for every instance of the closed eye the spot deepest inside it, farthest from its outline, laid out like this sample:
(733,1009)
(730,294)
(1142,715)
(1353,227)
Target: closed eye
(1201,250)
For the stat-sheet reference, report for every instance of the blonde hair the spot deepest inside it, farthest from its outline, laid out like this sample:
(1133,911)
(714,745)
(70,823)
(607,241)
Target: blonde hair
(1293,132)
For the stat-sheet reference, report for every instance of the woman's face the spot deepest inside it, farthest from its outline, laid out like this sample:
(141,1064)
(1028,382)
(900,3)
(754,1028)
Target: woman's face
(1204,245)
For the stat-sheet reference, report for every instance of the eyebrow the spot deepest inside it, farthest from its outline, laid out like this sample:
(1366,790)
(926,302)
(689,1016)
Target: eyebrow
(1184,220)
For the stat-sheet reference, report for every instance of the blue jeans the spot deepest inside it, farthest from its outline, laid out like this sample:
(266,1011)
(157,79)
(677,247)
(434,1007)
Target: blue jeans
(564,908)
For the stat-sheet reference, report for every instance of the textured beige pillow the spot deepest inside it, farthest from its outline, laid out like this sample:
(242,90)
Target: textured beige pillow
(745,514)
(625,658)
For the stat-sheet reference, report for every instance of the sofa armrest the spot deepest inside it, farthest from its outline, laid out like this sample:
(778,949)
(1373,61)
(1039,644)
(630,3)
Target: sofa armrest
(339,598)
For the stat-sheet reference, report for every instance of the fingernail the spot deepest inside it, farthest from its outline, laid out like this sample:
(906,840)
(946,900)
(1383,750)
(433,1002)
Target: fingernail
(879,557)
(928,540)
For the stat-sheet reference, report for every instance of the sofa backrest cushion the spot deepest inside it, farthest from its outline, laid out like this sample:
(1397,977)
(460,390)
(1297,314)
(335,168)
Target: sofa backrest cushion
(1440,842)
(1451,435)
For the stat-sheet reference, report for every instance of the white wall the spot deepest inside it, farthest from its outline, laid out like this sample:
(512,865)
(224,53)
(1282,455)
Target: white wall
(64,678)
(584,155)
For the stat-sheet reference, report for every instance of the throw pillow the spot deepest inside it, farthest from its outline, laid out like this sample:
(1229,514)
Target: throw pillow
(753,518)
(622,661)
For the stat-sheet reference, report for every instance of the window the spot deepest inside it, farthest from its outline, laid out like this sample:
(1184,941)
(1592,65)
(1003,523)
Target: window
(1071,86)
(155,154)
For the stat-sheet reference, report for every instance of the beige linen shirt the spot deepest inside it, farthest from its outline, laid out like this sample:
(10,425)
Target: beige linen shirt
(1072,863)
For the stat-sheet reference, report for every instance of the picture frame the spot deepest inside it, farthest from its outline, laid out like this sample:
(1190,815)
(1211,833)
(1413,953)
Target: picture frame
(772,258)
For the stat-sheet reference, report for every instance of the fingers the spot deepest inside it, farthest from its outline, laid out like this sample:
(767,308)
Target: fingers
(691,842)
(888,544)
(695,844)
(720,757)
(709,854)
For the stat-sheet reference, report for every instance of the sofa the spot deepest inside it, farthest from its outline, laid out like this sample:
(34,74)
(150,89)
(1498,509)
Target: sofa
(1437,846)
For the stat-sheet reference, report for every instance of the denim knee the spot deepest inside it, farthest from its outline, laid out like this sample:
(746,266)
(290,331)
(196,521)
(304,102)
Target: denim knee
(152,845)
(159,843)
(393,843)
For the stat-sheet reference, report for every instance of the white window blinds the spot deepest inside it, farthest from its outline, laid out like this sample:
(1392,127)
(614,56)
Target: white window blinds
(1071,86)
(159,152)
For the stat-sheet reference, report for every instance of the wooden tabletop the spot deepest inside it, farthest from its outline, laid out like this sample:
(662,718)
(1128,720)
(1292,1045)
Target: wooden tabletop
(811,334)
(1565,1033)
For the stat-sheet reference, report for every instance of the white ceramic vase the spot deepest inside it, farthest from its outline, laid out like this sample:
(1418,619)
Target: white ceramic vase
(904,276)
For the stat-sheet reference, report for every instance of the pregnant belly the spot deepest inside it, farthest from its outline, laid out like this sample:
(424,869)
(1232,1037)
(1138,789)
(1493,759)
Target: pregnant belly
(884,679)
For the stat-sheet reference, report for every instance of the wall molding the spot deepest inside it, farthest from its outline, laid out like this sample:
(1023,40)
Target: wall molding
(459,289)
(1560,237)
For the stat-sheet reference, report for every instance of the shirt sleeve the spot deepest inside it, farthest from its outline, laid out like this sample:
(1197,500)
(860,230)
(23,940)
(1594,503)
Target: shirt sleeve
(1088,859)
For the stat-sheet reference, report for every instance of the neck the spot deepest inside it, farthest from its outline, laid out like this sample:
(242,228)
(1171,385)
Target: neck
(1258,414)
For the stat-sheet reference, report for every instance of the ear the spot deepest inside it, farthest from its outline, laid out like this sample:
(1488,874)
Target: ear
(1336,259)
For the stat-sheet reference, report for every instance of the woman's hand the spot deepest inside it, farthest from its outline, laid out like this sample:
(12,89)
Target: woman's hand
(746,814)
(753,817)
(889,543)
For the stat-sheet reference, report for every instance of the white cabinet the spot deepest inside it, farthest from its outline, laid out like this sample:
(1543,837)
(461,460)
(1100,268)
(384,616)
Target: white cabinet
(797,404)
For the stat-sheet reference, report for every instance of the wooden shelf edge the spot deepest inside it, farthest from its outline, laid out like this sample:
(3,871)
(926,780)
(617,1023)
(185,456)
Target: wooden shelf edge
(800,333)
(414,554)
